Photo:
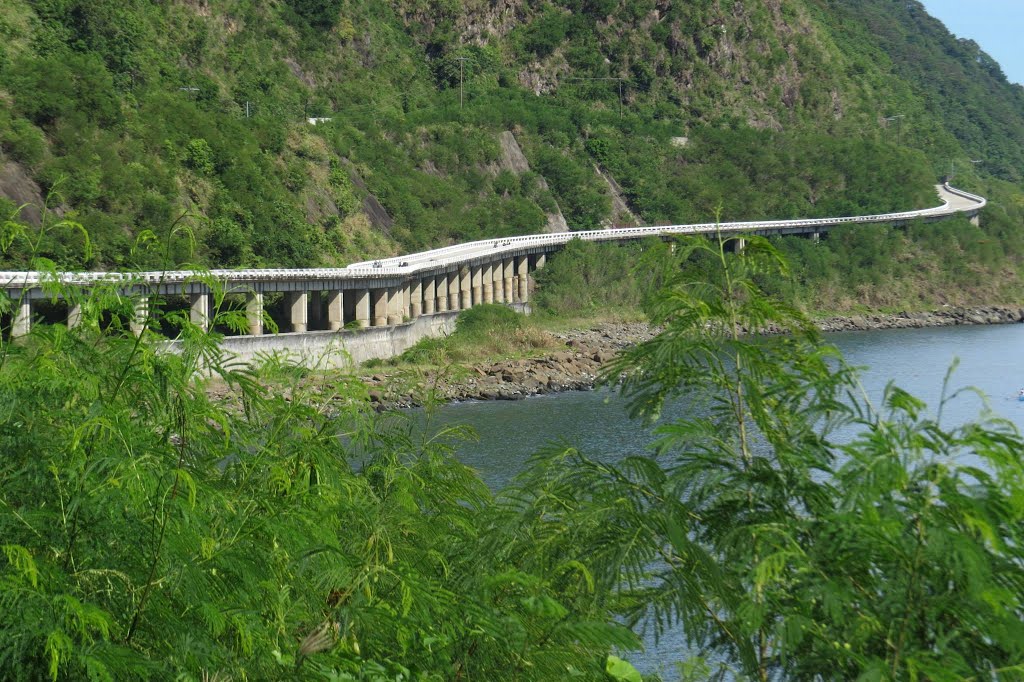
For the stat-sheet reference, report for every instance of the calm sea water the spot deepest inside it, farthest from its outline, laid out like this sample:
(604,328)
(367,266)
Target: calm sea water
(991,359)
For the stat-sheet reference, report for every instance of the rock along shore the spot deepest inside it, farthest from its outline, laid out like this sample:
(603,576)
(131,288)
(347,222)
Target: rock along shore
(576,368)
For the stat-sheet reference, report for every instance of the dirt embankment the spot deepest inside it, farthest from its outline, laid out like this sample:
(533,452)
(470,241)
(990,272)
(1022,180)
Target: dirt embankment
(576,367)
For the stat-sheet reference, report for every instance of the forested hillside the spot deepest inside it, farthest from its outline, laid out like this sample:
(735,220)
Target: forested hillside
(449,121)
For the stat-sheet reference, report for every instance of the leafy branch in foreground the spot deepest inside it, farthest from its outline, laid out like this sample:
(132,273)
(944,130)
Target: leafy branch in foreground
(272,529)
(786,527)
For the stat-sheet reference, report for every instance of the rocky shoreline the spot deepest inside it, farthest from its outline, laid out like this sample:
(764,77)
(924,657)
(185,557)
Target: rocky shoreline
(576,368)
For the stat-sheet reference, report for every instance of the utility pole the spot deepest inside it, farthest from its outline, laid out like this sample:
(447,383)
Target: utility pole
(462,63)
(247,108)
(899,125)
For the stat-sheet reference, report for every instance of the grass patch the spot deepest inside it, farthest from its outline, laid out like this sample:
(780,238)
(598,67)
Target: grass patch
(483,332)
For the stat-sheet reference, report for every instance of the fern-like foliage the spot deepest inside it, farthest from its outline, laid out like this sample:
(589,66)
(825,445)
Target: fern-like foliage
(772,547)
(274,528)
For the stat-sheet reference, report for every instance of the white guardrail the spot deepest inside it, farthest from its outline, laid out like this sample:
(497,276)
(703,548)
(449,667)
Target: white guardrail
(953,201)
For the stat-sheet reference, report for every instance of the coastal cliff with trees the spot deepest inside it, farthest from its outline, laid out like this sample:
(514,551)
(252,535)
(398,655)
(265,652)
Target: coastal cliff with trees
(443,121)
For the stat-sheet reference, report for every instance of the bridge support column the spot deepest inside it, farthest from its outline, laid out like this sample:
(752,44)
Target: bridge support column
(363,308)
(380,307)
(487,283)
(316,313)
(976,220)
(465,288)
(395,305)
(74,315)
(498,270)
(523,266)
(508,272)
(453,291)
(542,260)
(335,309)
(407,301)
(429,291)
(22,323)
(416,302)
(477,276)
(441,283)
(199,310)
(298,310)
(254,312)
(140,313)
(816,237)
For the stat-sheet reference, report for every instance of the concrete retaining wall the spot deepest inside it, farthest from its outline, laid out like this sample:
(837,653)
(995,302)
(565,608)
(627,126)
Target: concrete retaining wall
(331,350)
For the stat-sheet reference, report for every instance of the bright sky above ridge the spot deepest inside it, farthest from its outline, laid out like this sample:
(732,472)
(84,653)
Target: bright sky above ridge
(996,25)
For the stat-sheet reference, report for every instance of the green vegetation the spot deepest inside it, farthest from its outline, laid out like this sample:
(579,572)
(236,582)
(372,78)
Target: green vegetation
(480,333)
(770,546)
(851,269)
(589,278)
(152,532)
(288,531)
(139,115)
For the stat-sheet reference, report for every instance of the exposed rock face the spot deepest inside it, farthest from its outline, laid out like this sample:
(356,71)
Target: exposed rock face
(621,215)
(373,209)
(512,159)
(16,185)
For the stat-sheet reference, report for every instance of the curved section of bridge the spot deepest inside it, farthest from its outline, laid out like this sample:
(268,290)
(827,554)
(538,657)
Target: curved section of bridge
(389,292)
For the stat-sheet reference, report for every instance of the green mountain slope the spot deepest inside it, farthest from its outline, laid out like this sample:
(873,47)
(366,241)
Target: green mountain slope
(451,121)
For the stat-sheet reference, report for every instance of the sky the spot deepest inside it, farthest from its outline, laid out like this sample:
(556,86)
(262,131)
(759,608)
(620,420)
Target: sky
(996,25)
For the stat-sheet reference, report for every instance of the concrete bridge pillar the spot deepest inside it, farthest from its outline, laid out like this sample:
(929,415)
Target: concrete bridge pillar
(816,237)
(976,220)
(487,282)
(453,290)
(523,267)
(498,271)
(140,313)
(316,311)
(429,292)
(297,303)
(335,310)
(199,310)
(477,276)
(396,304)
(363,308)
(22,323)
(254,312)
(407,301)
(440,293)
(465,288)
(542,260)
(441,283)
(74,315)
(380,307)
(508,272)
(416,302)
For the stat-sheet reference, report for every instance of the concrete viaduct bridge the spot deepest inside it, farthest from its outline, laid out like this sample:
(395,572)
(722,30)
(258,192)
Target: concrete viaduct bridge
(394,302)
